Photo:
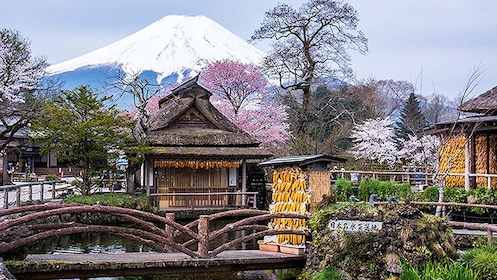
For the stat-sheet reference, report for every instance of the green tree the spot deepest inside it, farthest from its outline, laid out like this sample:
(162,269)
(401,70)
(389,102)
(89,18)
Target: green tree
(309,43)
(330,118)
(411,119)
(84,131)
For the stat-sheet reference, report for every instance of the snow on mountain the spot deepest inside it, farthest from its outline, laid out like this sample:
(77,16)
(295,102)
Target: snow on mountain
(173,45)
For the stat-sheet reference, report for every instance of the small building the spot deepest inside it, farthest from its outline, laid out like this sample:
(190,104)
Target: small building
(471,145)
(313,170)
(198,158)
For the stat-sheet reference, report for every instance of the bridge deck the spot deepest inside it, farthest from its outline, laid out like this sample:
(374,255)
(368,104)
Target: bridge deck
(49,266)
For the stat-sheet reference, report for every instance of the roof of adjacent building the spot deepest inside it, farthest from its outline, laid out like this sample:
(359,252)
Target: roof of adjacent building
(485,103)
(302,160)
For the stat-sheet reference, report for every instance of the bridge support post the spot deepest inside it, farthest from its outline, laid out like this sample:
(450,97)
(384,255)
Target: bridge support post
(203,231)
(169,231)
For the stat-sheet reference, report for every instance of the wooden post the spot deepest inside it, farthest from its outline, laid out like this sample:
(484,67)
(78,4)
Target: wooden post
(490,237)
(54,194)
(30,192)
(42,192)
(244,182)
(203,231)
(5,199)
(18,196)
(169,230)
(466,164)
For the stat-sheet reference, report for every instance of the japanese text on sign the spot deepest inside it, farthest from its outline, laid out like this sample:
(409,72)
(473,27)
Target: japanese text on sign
(350,225)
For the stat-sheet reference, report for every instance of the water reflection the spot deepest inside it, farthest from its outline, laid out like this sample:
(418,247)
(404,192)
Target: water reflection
(87,243)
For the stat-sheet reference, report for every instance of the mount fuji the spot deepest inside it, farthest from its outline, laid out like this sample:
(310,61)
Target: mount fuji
(167,50)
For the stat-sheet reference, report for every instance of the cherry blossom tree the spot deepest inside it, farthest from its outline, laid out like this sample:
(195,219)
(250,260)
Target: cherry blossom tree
(21,77)
(240,93)
(375,140)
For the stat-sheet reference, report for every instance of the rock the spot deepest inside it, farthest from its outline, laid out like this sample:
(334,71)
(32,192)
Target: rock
(394,268)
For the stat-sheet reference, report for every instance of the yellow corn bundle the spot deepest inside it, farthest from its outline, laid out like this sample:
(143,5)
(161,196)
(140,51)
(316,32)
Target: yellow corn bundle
(452,159)
(290,195)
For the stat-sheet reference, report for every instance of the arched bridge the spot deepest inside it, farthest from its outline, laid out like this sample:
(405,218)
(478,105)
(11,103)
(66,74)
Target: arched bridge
(22,226)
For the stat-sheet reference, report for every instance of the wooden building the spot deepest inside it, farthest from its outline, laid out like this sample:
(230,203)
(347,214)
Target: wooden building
(198,158)
(471,147)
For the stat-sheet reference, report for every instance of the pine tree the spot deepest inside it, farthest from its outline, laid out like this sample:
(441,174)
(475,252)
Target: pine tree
(411,119)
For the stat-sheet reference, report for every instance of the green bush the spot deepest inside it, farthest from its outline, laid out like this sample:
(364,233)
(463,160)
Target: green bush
(483,260)
(139,202)
(432,271)
(367,187)
(52,177)
(344,189)
(384,189)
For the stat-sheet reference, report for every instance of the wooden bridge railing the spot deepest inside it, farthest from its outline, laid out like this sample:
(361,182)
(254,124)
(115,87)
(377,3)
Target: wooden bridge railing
(161,233)
(13,194)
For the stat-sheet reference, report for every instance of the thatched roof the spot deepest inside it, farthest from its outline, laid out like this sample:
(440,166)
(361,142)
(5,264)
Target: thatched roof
(188,124)
(485,103)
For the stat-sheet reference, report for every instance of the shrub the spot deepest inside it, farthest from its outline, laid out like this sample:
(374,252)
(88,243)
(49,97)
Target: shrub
(52,177)
(483,260)
(367,187)
(344,189)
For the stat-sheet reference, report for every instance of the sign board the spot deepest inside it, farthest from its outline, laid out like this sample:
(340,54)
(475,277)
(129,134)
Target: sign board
(354,225)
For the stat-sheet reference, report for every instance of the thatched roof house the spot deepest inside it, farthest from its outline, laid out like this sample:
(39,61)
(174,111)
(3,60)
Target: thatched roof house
(485,103)
(194,147)
(472,148)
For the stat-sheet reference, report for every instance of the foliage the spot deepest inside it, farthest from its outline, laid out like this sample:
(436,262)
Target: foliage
(309,42)
(84,131)
(328,273)
(240,93)
(21,90)
(344,189)
(411,119)
(431,271)
(52,177)
(146,94)
(483,260)
(331,115)
(384,189)
(140,202)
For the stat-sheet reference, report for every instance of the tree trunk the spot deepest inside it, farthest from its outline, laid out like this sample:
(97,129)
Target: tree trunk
(438,211)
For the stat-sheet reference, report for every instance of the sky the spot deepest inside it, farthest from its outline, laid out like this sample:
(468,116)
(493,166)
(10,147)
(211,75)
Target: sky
(436,45)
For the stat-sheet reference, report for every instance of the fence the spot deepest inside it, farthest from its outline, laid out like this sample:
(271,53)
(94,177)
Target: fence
(14,195)
(412,177)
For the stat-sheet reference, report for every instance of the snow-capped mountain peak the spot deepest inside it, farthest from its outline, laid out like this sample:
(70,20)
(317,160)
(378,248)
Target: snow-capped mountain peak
(171,45)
